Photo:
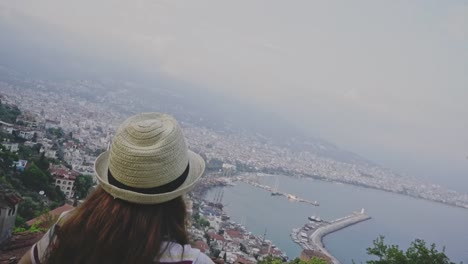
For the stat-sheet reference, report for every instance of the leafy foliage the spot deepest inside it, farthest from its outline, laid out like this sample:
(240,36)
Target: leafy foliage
(8,113)
(55,132)
(34,178)
(214,164)
(275,260)
(200,222)
(26,152)
(270,260)
(6,160)
(417,253)
(32,229)
(311,261)
(82,185)
(42,162)
(29,208)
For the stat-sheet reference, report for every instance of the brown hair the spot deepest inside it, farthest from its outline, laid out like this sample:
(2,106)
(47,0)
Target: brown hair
(108,230)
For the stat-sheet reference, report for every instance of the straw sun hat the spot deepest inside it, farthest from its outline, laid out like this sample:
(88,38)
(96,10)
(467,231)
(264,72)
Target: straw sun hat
(148,162)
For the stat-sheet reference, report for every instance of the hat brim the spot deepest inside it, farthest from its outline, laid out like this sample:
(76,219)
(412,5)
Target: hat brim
(101,166)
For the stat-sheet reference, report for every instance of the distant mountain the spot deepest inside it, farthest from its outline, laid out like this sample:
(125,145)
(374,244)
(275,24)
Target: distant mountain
(25,53)
(230,115)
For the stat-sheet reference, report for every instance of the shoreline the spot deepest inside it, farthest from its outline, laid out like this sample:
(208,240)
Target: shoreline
(323,179)
(388,191)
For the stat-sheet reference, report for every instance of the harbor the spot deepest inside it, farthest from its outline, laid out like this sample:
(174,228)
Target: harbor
(310,236)
(255,206)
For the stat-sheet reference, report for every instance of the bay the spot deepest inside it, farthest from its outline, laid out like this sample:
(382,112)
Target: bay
(399,218)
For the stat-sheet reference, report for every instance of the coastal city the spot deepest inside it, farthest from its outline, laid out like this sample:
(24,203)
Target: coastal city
(74,131)
(92,123)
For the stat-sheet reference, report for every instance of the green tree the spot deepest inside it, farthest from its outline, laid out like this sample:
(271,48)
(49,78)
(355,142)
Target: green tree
(5,183)
(37,147)
(313,260)
(6,160)
(203,223)
(55,132)
(34,178)
(28,208)
(271,260)
(42,162)
(20,221)
(26,152)
(317,261)
(417,253)
(276,260)
(8,113)
(216,253)
(82,185)
(214,164)
(54,194)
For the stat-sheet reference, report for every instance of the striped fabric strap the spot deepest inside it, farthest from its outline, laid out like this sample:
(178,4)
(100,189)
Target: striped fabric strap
(179,262)
(35,255)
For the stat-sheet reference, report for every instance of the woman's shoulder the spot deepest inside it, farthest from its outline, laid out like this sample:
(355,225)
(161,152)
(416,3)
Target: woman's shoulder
(39,248)
(176,253)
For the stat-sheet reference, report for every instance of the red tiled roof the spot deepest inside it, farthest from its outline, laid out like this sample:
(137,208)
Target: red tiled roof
(9,199)
(59,210)
(234,233)
(216,236)
(63,173)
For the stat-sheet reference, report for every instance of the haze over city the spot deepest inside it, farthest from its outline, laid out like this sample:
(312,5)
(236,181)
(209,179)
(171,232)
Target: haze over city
(387,81)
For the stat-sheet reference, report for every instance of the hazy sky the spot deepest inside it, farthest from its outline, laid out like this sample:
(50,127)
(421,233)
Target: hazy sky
(386,79)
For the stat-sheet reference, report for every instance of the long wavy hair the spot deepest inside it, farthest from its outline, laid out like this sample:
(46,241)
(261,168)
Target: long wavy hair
(108,230)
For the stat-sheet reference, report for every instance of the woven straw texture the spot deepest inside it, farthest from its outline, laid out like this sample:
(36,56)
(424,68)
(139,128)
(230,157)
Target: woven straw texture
(148,150)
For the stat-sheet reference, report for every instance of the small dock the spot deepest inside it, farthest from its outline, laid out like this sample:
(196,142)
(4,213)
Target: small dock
(311,234)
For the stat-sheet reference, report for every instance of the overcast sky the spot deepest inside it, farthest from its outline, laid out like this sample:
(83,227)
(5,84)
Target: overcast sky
(386,79)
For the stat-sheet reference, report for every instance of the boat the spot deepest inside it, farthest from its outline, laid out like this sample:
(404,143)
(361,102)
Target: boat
(313,218)
(274,191)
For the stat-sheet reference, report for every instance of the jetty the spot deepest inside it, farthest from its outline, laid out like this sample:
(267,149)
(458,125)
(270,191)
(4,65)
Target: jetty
(275,192)
(310,236)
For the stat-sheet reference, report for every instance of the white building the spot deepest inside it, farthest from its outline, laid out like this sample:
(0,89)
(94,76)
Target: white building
(6,127)
(8,210)
(13,147)
(28,135)
(51,154)
(65,180)
(66,186)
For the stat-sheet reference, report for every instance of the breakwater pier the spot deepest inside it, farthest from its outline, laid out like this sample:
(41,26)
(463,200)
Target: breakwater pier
(311,234)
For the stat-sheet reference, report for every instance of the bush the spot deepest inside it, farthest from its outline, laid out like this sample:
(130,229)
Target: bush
(417,253)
